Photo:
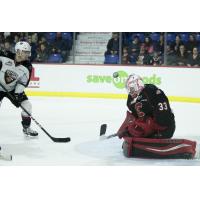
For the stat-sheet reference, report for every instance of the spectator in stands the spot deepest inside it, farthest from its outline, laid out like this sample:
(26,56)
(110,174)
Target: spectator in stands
(194,58)
(1,45)
(13,39)
(68,40)
(134,47)
(24,35)
(143,57)
(42,40)
(54,50)
(170,57)
(7,46)
(113,45)
(1,37)
(16,39)
(148,45)
(159,46)
(32,40)
(6,35)
(191,43)
(155,59)
(177,43)
(181,58)
(125,57)
(132,58)
(42,53)
(9,38)
(61,46)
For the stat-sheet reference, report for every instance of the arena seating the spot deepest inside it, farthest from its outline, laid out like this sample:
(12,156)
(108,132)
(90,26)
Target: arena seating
(55,58)
(91,47)
(111,59)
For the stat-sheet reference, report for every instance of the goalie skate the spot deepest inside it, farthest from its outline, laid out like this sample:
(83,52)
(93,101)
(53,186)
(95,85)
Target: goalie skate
(29,132)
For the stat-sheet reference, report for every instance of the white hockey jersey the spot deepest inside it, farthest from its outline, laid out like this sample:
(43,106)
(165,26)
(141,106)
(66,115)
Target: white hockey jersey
(14,76)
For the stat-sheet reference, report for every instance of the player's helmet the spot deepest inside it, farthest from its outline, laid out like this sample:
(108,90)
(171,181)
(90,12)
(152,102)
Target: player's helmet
(134,85)
(23,46)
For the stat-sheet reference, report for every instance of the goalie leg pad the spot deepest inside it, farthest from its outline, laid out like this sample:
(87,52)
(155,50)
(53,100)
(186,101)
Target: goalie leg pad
(159,148)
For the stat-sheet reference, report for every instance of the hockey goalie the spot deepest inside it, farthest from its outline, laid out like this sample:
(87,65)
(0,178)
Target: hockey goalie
(150,124)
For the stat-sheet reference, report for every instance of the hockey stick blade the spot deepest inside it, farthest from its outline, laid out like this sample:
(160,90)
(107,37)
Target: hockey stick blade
(103,132)
(103,129)
(67,139)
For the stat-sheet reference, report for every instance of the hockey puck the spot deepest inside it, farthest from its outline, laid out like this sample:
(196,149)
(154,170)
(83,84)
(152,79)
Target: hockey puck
(115,75)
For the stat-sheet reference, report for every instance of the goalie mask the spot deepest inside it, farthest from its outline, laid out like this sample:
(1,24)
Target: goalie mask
(134,85)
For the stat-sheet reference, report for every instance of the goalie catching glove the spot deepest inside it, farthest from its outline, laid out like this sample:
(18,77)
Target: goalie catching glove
(139,127)
(144,127)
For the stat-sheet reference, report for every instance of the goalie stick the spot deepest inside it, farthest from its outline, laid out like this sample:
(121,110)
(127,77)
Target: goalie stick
(67,139)
(103,129)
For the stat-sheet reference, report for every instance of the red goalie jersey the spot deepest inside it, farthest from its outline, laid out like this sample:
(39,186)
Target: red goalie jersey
(150,123)
(150,112)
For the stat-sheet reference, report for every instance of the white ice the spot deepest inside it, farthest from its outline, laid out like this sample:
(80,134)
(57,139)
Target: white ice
(80,119)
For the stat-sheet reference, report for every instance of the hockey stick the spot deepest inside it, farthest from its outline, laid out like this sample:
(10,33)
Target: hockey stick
(67,139)
(103,132)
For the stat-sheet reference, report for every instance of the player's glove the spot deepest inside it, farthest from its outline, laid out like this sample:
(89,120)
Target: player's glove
(145,127)
(18,99)
(142,127)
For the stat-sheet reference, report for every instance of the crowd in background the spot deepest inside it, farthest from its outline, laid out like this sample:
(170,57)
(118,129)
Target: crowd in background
(182,49)
(142,48)
(46,47)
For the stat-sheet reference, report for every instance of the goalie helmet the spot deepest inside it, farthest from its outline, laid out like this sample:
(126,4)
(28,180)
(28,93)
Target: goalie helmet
(134,85)
(23,46)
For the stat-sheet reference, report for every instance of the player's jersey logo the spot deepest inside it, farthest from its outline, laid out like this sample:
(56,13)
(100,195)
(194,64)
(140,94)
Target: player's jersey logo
(10,76)
(138,108)
(9,63)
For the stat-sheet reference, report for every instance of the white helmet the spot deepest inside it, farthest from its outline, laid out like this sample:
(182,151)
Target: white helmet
(134,85)
(23,46)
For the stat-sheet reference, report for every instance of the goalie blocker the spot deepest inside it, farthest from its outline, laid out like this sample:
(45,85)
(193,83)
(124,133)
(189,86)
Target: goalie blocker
(159,148)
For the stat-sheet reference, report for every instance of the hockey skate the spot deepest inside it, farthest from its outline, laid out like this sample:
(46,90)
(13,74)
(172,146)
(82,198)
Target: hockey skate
(29,132)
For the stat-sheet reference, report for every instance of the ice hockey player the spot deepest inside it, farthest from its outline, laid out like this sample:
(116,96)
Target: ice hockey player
(15,73)
(150,123)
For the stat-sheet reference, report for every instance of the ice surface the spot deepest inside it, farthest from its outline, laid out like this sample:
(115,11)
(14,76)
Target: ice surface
(80,119)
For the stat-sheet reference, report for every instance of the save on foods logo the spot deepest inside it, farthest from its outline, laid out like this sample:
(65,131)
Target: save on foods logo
(119,82)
